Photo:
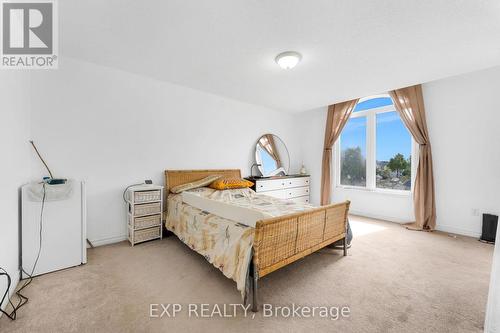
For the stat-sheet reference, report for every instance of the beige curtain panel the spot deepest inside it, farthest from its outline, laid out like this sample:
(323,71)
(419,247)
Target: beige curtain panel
(338,114)
(409,102)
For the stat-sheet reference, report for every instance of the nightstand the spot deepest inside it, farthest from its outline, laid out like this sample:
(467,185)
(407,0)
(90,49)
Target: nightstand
(144,212)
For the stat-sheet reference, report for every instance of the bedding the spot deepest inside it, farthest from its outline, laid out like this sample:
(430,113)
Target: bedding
(230,183)
(242,215)
(225,243)
(241,205)
(192,185)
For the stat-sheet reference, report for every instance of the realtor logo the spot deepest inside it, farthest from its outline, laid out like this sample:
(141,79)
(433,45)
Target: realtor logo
(29,34)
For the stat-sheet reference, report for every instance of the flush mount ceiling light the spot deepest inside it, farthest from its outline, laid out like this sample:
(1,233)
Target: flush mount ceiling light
(288,60)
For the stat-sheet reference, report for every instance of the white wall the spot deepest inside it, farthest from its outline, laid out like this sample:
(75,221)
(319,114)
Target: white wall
(312,129)
(112,128)
(463,115)
(14,166)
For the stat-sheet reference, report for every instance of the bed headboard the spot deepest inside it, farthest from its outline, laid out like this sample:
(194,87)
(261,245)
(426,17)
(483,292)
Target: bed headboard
(178,177)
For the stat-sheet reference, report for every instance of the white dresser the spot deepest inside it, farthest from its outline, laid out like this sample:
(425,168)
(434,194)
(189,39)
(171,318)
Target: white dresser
(293,187)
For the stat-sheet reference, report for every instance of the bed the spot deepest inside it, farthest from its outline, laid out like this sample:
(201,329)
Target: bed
(246,254)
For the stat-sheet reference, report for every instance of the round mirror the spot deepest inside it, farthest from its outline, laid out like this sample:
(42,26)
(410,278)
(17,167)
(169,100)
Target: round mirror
(271,156)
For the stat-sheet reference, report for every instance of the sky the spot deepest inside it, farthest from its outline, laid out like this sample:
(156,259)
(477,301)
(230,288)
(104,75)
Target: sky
(392,137)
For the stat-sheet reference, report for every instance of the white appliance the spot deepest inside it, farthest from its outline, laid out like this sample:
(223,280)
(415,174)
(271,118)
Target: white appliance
(63,226)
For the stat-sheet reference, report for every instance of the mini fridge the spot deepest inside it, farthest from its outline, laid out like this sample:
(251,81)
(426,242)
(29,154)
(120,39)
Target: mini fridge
(53,217)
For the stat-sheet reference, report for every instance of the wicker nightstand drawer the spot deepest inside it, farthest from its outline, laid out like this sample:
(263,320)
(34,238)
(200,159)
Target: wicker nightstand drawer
(145,196)
(144,234)
(144,221)
(147,209)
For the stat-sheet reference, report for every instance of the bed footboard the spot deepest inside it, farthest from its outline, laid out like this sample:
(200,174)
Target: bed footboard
(283,240)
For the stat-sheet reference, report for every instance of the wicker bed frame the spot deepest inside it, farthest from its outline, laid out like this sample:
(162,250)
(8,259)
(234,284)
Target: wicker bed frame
(282,240)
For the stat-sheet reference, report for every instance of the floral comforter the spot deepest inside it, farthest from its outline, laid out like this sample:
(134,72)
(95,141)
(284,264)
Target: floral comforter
(225,244)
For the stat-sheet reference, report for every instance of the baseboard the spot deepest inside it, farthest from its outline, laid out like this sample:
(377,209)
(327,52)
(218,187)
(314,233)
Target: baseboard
(458,231)
(439,227)
(379,217)
(109,240)
(13,287)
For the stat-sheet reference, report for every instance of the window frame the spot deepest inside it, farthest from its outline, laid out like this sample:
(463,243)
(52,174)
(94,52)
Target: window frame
(371,152)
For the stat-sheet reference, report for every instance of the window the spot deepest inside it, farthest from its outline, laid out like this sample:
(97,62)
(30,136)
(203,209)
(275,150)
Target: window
(374,149)
(353,153)
(393,168)
(371,103)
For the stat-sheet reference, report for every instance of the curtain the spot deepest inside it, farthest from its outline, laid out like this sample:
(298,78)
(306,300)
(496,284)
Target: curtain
(338,114)
(267,143)
(409,102)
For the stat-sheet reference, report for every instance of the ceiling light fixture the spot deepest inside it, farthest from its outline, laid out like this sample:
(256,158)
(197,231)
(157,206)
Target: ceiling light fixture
(288,60)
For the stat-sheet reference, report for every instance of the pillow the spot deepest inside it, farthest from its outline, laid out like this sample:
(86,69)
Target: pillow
(198,183)
(230,183)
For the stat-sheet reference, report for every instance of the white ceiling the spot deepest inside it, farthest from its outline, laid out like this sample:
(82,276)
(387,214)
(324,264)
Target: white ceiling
(350,48)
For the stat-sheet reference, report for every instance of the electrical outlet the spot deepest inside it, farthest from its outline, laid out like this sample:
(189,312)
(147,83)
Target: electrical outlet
(475,212)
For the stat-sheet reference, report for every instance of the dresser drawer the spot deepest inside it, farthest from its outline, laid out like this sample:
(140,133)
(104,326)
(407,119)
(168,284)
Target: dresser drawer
(280,194)
(297,182)
(297,192)
(270,185)
(301,199)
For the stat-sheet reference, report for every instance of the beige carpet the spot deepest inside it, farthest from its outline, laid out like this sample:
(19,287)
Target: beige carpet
(393,280)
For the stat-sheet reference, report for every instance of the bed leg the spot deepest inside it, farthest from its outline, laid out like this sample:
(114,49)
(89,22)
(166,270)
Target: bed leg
(255,277)
(344,244)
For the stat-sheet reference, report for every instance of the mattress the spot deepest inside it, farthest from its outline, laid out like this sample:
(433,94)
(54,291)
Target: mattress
(227,210)
(241,205)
